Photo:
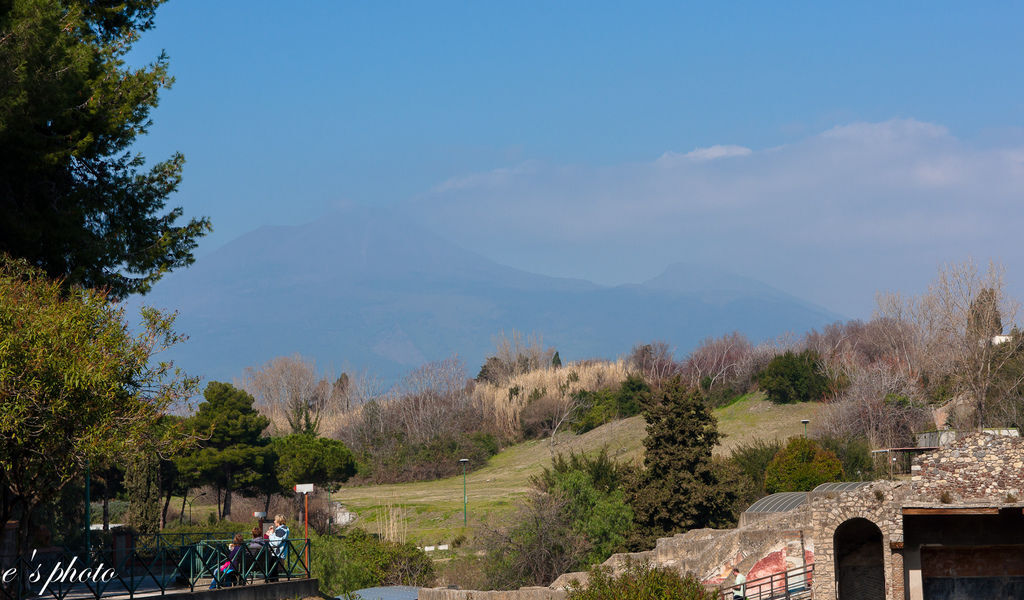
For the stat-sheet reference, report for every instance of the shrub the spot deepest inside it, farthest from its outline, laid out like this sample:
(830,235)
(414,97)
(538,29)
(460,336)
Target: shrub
(602,406)
(801,466)
(792,377)
(753,459)
(594,502)
(640,581)
(542,545)
(855,455)
(355,560)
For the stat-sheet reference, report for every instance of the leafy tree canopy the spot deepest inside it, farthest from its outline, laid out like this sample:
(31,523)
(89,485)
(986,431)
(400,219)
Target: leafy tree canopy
(794,377)
(75,201)
(229,417)
(75,384)
(801,466)
(594,504)
(308,459)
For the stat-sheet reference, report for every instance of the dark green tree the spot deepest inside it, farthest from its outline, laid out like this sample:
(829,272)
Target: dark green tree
(556,360)
(235,456)
(308,459)
(801,466)
(983,318)
(75,200)
(679,488)
(794,377)
(304,414)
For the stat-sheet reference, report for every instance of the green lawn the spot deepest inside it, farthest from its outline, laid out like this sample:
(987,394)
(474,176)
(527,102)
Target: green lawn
(432,510)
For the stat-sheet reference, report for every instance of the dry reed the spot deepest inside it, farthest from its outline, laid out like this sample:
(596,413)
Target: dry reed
(503,404)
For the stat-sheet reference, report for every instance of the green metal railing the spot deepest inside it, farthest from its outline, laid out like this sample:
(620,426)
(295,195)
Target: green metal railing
(149,566)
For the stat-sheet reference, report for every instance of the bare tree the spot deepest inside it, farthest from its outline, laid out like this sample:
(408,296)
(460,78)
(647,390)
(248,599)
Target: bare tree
(288,391)
(653,361)
(433,399)
(716,359)
(753,362)
(955,328)
(880,404)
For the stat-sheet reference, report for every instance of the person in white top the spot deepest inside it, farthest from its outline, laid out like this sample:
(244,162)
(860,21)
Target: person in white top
(739,585)
(277,537)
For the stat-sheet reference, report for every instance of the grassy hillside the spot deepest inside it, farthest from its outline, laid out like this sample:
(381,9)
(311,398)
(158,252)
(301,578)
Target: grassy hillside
(432,511)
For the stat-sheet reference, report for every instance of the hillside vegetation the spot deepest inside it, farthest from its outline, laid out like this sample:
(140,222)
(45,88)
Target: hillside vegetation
(432,510)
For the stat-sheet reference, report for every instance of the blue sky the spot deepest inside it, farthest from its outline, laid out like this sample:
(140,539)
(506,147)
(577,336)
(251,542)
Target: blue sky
(858,145)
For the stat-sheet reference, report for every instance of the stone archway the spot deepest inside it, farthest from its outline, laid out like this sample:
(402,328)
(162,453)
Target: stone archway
(860,561)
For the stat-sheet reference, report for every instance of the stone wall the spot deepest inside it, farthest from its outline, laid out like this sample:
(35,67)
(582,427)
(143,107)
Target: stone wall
(880,504)
(977,467)
(779,541)
(527,593)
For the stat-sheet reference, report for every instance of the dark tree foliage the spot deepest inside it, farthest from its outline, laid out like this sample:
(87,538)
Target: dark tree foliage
(854,453)
(541,545)
(801,466)
(304,415)
(679,488)
(142,480)
(983,318)
(556,360)
(794,377)
(491,371)
(592,487)
(75,200)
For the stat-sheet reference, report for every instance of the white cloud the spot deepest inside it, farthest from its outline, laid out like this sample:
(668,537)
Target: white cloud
(848,211)
(709,153)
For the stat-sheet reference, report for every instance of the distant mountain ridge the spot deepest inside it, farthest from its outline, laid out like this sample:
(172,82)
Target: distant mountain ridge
(363,289)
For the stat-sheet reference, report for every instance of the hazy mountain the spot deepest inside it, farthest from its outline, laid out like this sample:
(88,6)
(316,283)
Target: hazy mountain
(364,289)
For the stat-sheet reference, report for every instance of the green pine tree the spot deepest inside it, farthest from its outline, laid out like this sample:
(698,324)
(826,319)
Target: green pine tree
(76,200)
(235,456)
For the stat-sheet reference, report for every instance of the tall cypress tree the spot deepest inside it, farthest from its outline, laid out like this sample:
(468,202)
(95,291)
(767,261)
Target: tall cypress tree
(679,488)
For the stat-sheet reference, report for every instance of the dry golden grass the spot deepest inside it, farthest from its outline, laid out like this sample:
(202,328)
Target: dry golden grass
(504,404)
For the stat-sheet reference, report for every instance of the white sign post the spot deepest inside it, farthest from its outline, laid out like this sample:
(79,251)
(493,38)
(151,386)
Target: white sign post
(305,489)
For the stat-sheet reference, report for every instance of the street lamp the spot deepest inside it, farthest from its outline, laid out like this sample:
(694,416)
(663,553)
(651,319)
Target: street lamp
(805,422)
(465,500)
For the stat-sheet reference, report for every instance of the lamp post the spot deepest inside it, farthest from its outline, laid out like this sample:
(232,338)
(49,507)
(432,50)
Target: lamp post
(88,517)
(805,422)
(465,499)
